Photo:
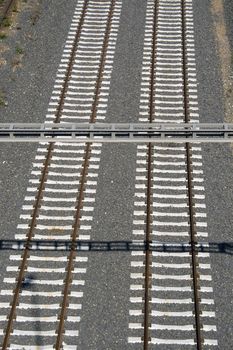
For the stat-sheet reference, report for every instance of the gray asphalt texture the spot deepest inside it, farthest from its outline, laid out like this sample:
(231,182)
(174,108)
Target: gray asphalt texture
(104,314)
(228,12)
(218,168)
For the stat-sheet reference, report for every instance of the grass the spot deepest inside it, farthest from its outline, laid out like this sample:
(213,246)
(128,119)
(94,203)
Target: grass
(19,50)
(15,8)
(2,102)
(2,36)
(2,99)
(6,22)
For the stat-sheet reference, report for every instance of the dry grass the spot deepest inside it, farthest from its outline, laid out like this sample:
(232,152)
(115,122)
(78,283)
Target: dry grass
(16,62)
(225,55)
(2,99)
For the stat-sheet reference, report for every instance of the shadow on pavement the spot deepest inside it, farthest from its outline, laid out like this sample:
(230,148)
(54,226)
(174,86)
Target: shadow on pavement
(111,246)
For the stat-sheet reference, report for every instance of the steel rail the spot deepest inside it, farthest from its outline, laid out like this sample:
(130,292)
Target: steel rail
(6,7)
(191,206)
(148,272)
(74,236)
(148,253)
(39,197)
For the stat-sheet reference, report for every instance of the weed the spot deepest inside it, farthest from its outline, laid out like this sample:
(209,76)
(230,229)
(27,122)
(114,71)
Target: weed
(2,99)
(15,8)
(19,50)
(6,22)
(16,62)
(2,36)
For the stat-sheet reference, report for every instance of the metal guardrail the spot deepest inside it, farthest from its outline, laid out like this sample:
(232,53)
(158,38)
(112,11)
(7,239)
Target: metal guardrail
(116,133)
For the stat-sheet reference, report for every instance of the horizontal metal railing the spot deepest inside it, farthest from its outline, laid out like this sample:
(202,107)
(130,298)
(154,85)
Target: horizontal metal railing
(116,133)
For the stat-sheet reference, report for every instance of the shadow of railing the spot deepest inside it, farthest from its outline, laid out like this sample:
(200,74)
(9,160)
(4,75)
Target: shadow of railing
(114,246)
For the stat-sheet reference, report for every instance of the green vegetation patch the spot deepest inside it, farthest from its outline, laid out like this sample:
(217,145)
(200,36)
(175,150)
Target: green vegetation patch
(2,35)
(19,50)
(2,99)
(6,22)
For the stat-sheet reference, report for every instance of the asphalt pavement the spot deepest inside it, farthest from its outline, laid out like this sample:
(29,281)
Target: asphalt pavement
(218,167)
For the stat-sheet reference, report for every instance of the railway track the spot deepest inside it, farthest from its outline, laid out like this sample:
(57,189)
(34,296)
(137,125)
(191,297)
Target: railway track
(40,305)
(171,292)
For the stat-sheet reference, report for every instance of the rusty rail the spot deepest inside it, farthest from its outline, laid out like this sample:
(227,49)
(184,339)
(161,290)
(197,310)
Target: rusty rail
(191,204)
(148,253)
